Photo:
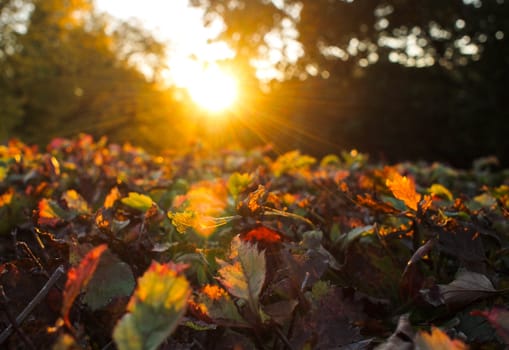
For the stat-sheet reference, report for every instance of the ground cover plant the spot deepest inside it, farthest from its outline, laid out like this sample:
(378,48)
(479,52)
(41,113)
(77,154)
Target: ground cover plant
(106,246)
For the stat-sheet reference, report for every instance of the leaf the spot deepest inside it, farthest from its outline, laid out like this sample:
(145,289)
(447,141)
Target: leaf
(77,280)
(437,340)
(245,276)
(330,324)
(113,278)
(49,213)
(281,312)
(238,182)
(215,303)
(138,201)
(403,188)
(357,232)
(422,251)
(6,197)
(467,287)
(112,197)
(292,162)
(499,319)
(402,338)
(256,199)
(3,172)
(264,234)
(441,191)
(75,202)
(155,308)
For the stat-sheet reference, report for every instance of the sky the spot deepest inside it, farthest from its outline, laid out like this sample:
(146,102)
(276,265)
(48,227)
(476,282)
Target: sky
(176,23)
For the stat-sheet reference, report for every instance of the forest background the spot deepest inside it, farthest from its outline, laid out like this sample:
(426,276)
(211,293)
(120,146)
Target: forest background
(398,79)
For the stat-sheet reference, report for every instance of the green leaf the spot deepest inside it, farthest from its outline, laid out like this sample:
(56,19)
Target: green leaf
(238,183)
(354,234)
(441,191)
(112,278)
(138,201)
(154,310)
(245,276)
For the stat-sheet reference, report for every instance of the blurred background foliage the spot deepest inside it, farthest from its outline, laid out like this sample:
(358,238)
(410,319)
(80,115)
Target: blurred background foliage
(399,79)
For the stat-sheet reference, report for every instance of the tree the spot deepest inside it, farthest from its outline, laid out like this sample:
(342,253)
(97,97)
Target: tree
(74,71)
(380,74)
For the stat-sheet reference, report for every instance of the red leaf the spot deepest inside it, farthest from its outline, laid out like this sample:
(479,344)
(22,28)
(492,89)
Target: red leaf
(263,234)
(78,278)
(499,319)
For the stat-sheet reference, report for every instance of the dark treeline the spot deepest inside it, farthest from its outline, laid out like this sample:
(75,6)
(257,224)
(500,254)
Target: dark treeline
(406,79)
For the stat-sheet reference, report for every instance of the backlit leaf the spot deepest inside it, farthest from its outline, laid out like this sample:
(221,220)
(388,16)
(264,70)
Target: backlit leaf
(441,191)
(3,173)
(292,162)
(138,201)
(238,182)
(403,188)
(263,234)
(112,197)
(75,202)
(245,276)
(437,340)
(155,308)
(47,213)
(78,278)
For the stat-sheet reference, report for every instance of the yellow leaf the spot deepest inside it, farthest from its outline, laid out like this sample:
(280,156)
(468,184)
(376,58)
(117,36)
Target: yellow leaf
(3,173)
(403,189)
(138,201)
(76,202)
(154,310)
(441,191)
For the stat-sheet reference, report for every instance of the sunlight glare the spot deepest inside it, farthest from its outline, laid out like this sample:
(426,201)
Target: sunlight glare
(212,89)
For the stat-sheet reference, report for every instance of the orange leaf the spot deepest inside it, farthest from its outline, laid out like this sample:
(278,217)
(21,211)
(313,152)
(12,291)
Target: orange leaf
(78,278)
(112,197)
(403,189)
(438,340)
(46,213)
(6,197)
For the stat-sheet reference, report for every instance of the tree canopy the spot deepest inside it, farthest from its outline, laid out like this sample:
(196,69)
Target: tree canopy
(377,75)
(68,69)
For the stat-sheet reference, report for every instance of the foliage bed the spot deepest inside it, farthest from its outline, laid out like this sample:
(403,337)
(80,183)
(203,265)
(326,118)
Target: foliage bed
(116,248)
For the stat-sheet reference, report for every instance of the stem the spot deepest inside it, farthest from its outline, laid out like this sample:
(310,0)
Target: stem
(29,308)
(275,212)
(3,302)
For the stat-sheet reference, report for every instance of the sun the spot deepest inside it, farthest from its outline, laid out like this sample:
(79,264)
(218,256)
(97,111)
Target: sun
(213,89)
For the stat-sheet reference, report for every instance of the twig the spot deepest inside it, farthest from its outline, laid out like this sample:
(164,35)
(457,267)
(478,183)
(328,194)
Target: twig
(3,303)
(283,338)
(38,298)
